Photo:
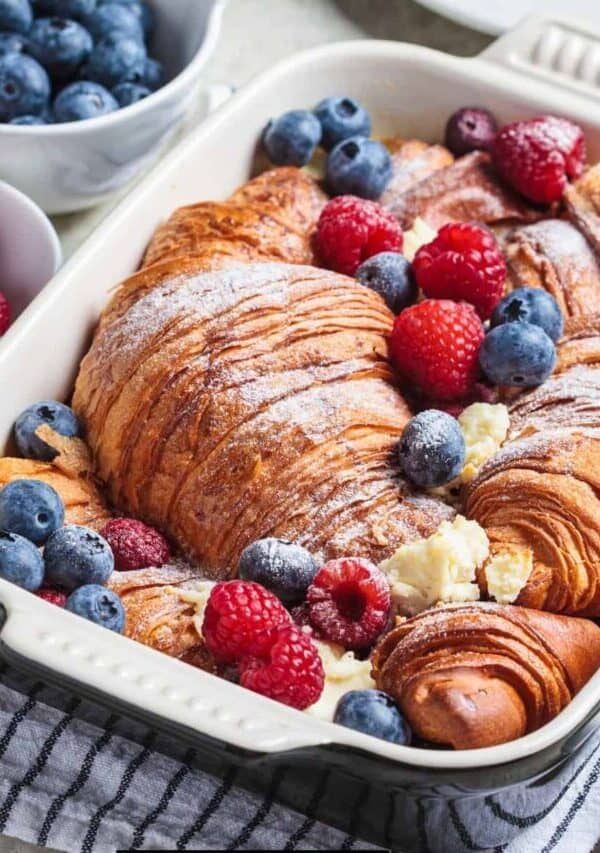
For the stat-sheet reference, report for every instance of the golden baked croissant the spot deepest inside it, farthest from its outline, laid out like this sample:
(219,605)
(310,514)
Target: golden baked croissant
(582,199)
(70,474)
(555,256)
(467,190)
(538,497)
(476,675)
(255,399)
(159,616)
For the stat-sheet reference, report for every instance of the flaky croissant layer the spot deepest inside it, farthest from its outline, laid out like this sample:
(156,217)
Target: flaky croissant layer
(478,675)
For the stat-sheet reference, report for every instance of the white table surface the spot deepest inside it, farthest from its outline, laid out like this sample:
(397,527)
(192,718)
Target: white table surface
(248,45)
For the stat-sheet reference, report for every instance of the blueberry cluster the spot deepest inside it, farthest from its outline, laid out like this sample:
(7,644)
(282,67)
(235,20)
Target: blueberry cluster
(69,60)
(75,559)
(356,165)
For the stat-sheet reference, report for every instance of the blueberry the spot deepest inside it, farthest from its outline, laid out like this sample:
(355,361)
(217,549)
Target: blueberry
(341,118)
(533,305)
(359,166)
(390,275)
(31,509)
(20,561)
(143,12)
(60,45)
(291,139)
(15,15)
(115,60)
(432,449)
(75,556)
(470,129)
(12,43)
(374,713)
(153,75)
(130,93)
(24,86)
(78,9)
(28,120)
(83,100)
(115,18)
(518,354)
(57,416)
(284,568)
(98,604)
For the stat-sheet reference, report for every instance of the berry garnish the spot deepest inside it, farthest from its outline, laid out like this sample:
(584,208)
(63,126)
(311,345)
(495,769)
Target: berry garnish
(115,59)
(237,619)
(60,45)
(341,118)
(99,605)
(532,305)
(464,263)
(57,416)
(470,129)
(24,86)
(358,166)
(20,561)
(349,602)
(432,449)
(289,671)
(4,314)
(31,509)
(291,139)
(518,354)
(350,230)
(538,156)
(15,15)
(135,545)
(52,596)
(83,100)
(282,567)
(390,275)
(374,713)
(75,556)
(435,346)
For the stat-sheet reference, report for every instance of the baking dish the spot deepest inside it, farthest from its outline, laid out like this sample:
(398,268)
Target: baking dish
(409,90)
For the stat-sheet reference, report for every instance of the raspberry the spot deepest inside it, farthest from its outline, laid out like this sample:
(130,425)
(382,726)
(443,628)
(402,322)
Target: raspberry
(463,262)
(349,602)
(4,314)
(537,156)
(351,229)
(52,596)
(237,619)
(135,545)
(290,670)
(435,345)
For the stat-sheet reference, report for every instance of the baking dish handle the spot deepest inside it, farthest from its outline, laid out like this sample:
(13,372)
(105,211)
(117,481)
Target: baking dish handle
(552,49)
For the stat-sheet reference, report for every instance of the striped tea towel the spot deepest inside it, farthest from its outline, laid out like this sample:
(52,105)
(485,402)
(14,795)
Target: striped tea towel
(75,785)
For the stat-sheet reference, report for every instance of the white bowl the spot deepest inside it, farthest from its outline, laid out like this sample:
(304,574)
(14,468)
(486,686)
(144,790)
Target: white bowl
(67,167)
(30,250)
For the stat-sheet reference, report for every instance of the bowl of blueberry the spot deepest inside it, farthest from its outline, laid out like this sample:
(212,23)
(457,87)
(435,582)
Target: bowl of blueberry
(90,90)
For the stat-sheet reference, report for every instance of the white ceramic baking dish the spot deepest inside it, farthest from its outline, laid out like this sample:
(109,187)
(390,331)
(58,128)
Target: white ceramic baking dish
(409,90)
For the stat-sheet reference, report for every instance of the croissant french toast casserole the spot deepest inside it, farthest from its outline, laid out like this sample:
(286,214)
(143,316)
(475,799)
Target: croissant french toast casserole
(338,438)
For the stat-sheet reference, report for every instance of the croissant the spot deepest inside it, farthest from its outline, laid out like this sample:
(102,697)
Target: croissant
(540,493)
(477,675)
(70,474)
(159,616)
(555,256)
(252,399)
(582,199)
(466,190)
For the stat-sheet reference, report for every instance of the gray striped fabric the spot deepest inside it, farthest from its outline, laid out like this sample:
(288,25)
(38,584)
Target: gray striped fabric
(72,785)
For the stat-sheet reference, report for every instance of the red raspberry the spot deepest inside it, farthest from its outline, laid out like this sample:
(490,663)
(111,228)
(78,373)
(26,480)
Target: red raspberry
(351,229)
(237,619)
(52,596)
(349,602)
(4,314)
(463,262)
(290,671)
(537,156)
(135,545)
(435,345)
